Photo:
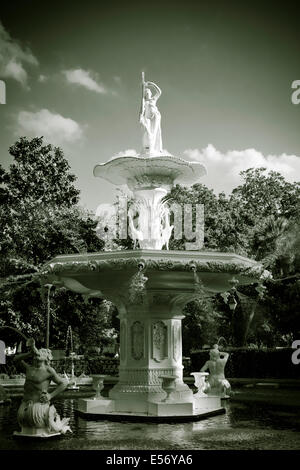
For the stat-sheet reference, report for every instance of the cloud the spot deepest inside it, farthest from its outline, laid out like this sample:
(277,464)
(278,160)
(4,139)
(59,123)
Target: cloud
(224,167)
(126,153)
(106,211)
(42,78)
(55,128)
(117,80)
(13,57)
(84,78)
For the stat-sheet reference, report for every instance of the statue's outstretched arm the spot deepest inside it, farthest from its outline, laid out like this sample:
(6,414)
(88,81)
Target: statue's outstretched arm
(32,350)
(20,358)
(205,367)
(156,88)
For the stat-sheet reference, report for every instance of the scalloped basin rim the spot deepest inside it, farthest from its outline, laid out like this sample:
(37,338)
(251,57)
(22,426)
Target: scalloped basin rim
(96,274)
(154,260)
(117,170)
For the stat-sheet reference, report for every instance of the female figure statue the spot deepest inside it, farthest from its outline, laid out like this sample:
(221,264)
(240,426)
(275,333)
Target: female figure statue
(150,118)
(36,416)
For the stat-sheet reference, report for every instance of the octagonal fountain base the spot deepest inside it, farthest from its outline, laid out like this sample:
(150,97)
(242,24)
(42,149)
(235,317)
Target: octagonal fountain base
(159,411)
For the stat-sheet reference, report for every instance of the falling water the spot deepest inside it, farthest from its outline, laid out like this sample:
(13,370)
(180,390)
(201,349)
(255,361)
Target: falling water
(137,288)
(69,341)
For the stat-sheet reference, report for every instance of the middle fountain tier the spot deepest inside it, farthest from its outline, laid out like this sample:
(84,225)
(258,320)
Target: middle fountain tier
(150,179)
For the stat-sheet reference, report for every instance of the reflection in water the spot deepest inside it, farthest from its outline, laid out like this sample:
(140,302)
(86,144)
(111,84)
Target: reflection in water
(249,426)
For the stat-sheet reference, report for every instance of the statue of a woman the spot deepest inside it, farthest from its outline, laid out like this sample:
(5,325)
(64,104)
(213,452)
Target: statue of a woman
(219,385)
(36,416)
(150,118)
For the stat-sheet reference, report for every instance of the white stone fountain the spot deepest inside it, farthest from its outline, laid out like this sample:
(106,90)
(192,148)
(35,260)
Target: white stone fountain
(150,286)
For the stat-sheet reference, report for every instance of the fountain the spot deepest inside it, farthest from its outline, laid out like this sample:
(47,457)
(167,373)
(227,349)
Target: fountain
(150,286)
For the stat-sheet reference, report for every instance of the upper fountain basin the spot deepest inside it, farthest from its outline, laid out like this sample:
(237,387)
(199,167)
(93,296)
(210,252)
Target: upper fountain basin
(141,172)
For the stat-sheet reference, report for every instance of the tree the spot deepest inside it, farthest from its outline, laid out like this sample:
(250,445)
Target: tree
(200,325)
(276,242)
(282,302)
(39,219)
(262,195)
(40,174)
(221,228)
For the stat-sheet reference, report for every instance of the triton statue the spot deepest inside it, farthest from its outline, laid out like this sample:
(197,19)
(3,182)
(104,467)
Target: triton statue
(36,416)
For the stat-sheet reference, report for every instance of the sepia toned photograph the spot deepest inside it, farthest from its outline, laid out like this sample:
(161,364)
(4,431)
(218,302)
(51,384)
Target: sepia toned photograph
(149,229)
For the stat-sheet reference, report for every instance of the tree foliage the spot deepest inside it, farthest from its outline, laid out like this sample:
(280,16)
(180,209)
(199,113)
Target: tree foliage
(39,219)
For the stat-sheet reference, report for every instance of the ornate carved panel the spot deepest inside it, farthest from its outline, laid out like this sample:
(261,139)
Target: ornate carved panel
(137,340)
(159,341)
(145,377)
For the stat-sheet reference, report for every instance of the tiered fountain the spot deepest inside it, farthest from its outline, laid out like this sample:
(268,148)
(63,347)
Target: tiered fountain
(150,286)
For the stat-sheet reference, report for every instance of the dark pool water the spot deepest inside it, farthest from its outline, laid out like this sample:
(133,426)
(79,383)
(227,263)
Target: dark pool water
(244,426)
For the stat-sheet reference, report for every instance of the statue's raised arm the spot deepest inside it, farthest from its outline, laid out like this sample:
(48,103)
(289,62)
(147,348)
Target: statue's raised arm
(156,88)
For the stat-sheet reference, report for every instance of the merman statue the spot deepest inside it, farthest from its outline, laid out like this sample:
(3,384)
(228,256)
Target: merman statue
(216,364)
(36,416)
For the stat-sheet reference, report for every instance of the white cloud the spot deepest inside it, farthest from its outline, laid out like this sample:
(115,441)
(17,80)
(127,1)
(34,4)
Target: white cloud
(224,167)
(42,78)
(13,57)
(106,211)
(85,78)
(117,80)
(55,128)
(126,153)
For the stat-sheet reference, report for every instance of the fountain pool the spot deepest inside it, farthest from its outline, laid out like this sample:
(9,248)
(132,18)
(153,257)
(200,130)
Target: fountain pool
(244,426)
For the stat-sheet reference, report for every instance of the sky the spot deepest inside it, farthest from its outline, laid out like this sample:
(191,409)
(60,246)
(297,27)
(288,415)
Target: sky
(73,74)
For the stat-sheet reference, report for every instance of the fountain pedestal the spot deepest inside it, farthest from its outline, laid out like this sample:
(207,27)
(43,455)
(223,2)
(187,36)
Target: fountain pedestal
(150,346)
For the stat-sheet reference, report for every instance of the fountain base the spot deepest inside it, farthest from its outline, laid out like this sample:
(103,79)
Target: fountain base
(175,410)
(95,406)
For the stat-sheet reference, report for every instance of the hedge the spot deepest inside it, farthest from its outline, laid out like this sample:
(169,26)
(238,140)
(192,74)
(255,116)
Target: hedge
(253,363)
(242,363)
(87,366)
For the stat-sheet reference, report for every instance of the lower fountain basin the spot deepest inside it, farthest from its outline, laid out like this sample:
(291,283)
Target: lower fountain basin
(91,274)
(150,289)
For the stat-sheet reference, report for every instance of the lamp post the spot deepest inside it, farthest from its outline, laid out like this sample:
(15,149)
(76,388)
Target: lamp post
(232,300)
